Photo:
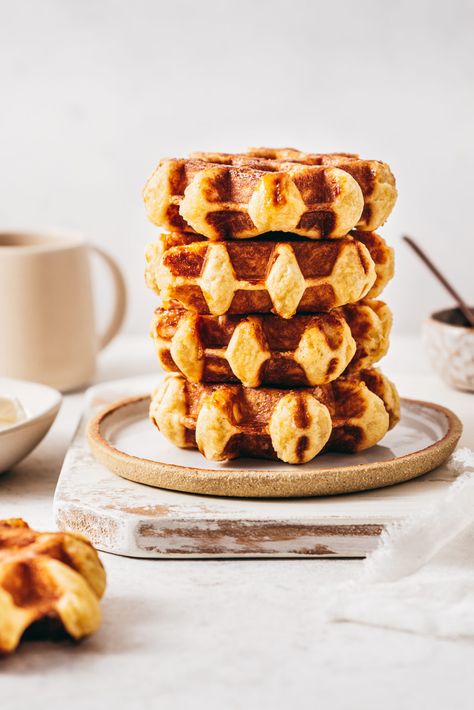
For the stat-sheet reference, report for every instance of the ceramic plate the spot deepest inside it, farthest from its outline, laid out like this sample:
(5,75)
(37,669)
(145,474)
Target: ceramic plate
(41,404)
(123,439)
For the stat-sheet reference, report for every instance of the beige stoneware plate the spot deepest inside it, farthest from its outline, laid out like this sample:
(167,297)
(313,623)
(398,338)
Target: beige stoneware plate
(122,439)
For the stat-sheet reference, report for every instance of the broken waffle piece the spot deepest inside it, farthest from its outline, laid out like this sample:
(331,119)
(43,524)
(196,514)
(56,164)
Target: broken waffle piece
(47,578)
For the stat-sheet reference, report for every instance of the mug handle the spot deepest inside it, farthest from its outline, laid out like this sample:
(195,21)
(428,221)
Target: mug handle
(120,293)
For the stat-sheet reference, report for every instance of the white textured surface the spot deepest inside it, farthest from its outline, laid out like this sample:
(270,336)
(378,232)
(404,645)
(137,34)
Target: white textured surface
(227,634)
(95,92)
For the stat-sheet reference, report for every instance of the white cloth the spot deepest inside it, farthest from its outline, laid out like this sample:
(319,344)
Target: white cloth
(421,577)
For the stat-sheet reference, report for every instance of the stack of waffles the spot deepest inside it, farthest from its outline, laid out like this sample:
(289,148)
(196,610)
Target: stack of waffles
(269,271)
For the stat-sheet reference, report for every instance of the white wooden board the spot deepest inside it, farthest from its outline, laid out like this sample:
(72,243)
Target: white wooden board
(128,518)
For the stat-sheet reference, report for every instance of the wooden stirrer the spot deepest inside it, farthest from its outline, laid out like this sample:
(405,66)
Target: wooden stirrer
(464,308)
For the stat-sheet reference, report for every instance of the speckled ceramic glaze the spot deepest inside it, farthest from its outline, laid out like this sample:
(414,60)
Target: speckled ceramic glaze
(122,439)
(450,347)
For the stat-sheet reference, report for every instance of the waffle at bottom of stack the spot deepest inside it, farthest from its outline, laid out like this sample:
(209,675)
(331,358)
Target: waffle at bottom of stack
(226,421)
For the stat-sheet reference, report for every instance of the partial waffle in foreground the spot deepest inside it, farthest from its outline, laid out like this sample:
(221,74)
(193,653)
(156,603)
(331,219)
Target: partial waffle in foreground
(265,349)
(268,275)
(226,421)
(224,196)
(50,579)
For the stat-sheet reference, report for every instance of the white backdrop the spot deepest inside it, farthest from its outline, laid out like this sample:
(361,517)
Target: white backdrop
(93,93)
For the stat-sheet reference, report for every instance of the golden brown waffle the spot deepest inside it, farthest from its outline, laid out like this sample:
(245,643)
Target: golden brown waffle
(47,578)
(374,178)
(226,421)
(265,349)
(263,276)
(370,323)
(223,195)
(246,197)
(383,257)
(383,388)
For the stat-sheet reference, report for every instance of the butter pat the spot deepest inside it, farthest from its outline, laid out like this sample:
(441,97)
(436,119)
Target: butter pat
(11,412)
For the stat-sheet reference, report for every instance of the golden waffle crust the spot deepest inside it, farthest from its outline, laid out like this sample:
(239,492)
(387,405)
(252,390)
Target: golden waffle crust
(226,421)
(224,196)
(264,276)
(265,349)
(47,577)
(222,201)
(373,177)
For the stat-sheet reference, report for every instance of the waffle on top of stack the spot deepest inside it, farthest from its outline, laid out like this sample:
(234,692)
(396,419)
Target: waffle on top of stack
(284,308)
(220,195)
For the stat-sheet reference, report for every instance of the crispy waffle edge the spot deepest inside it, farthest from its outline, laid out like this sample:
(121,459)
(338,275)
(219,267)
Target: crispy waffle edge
(226,421)
(256,350)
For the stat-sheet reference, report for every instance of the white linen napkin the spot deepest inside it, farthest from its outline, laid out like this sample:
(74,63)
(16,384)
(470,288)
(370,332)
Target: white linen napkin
(421,577)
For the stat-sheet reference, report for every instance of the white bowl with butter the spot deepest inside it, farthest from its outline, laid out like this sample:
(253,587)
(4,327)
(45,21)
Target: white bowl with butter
(27,410)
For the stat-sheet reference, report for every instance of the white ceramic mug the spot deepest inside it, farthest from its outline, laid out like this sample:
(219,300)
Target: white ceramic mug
(450,345)
(47,324)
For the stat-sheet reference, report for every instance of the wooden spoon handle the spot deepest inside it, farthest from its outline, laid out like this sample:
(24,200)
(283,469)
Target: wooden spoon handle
(466,311)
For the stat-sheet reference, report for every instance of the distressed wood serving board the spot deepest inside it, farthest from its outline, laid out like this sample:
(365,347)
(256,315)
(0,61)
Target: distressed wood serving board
(132,519)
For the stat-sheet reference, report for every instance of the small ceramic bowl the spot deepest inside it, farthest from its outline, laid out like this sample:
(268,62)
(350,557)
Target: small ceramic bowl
(449,341)
(41,405)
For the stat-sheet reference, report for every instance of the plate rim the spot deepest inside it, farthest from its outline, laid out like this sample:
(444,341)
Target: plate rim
(107,454)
